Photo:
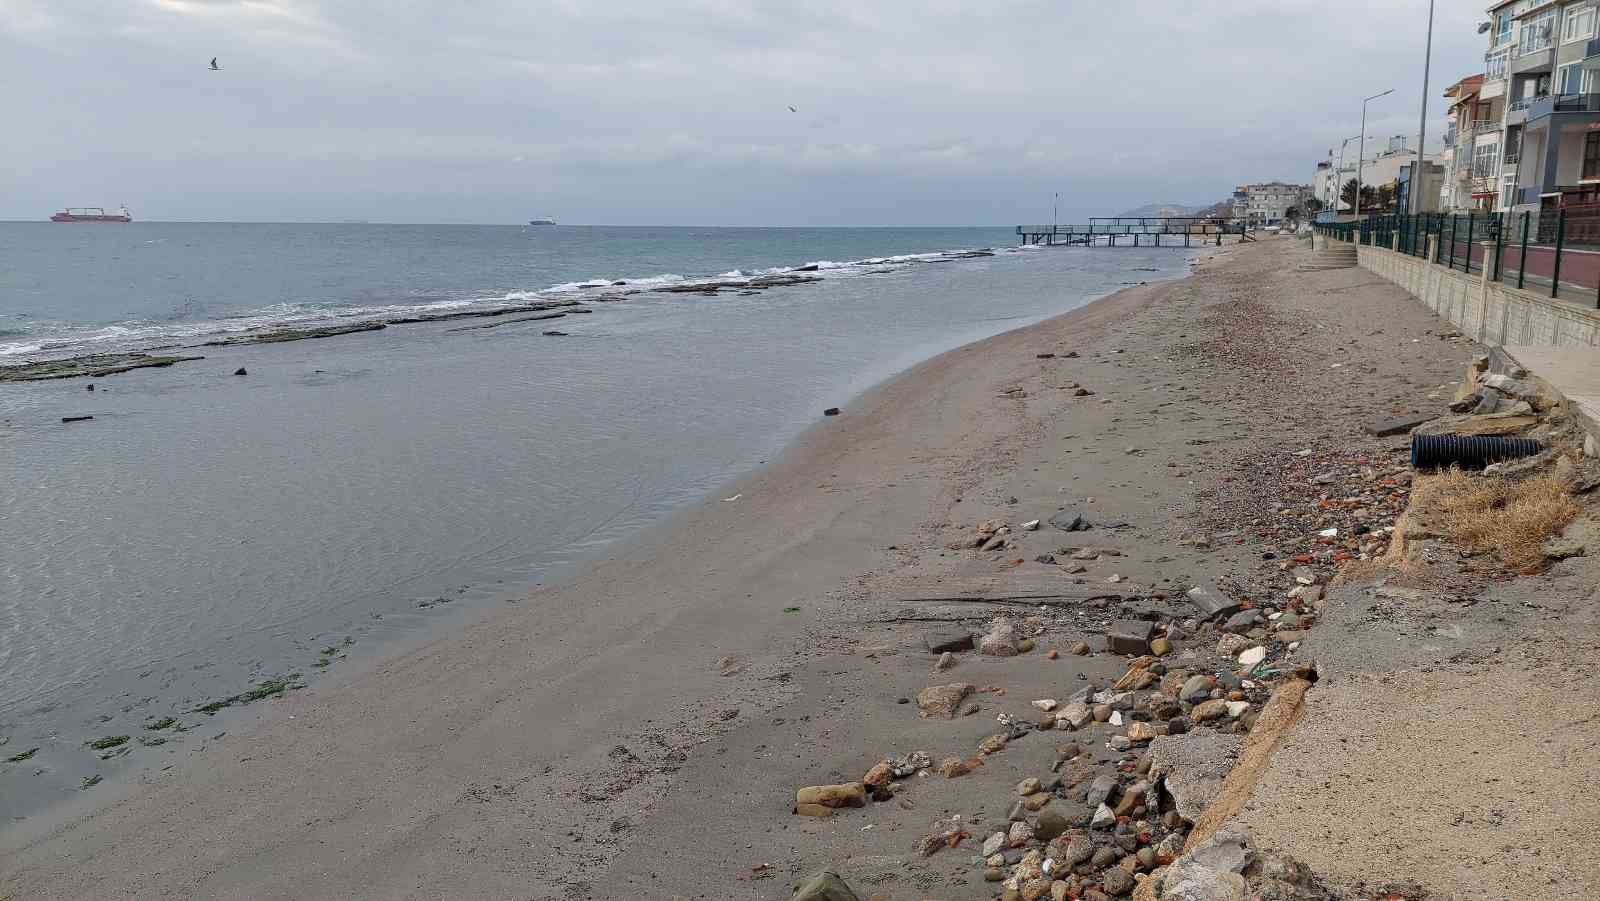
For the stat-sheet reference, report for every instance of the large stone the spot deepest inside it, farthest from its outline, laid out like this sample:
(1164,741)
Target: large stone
(1130,636)
(1574,541)
(1052,822)
(824,886)
(1101,789)
(1001,639)
(940,642)
(1117,882)
(1243,621)
(1397,425)
(1104,818)
(848,794)
(1487,424)
(943,700)
(1196,689)
(1193,767)
(1069,521)
(1074,715)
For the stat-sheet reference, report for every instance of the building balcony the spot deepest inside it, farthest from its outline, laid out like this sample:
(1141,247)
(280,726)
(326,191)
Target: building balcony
(1517,111)
(1592,49)
(1539,60)
(1566,106)
(1511,159)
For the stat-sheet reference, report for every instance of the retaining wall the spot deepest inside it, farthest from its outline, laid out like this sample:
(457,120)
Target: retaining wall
(1491,312)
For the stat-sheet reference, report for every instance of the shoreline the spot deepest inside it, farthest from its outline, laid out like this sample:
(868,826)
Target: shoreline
(370,658)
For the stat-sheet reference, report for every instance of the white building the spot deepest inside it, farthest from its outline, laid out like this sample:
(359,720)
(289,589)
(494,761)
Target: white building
(1268,202)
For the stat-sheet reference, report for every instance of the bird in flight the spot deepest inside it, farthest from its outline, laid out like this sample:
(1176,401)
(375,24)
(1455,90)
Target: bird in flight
(793,110)
(214,66)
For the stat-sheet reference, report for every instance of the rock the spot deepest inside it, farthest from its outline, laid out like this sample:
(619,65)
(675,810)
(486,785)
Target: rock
(1397,425)
(1028,786)
(953,767)
(1103,818)
(1130,636)
(1101,790)
(831,411)
(824,886)
(1132,797)
(1193,767)
(1253,656)
(953,640)
(1236,709)
(946,661)
(993,844)
(1019,834)
(1046,704)
(555,334)
(1305,575)
(1229,645)
(1309,594)
(994,744)
(943,700)
(1196,689)
(1025,646)
(1082,392)
(1102,713)
(1211,870)
(1138,732)
(1117,881)
(882,774)
(1480,424)
(1243,621)
(1060,890)
(1052,822)
(240,371)
(1001,639)
(1031,525)
(1069,521)
(1206,711)
(1078,851)
(813,810)
(848,794)
(1574,541)
(1103,857)
(1075,715)
(1079,649)
(1160,647)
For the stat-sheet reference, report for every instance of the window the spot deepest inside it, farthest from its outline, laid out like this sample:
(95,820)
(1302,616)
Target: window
(1502,27)
(1485,159)
(1591,155)
(1537,33)
(1495,64)
(1579,24)
(1508,192)
(1570,79)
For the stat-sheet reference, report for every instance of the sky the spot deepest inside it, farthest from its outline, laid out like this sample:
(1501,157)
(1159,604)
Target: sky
(656,112)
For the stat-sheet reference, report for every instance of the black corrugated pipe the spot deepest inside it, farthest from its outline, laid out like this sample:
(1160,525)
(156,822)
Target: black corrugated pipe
(1470,451)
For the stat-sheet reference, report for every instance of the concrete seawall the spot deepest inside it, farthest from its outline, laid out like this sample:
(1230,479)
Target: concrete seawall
(1488,311)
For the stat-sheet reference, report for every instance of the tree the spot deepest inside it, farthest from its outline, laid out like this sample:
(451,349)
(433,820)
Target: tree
(1386,197)
(1292,215)
(1312,206)
(1347,194)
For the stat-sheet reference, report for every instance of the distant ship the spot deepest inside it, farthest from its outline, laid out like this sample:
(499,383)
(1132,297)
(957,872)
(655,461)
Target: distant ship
(91,214)
(541,222)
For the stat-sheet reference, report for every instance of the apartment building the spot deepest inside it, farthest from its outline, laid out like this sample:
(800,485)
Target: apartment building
(1541,79)
(1267,203)
(1464,109)
(1385,167)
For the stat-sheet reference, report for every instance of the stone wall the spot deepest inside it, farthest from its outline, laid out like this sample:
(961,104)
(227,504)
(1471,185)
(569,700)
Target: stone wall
(1490,312)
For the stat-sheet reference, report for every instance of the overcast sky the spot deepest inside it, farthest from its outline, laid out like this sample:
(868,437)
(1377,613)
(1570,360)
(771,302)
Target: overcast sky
(914,112)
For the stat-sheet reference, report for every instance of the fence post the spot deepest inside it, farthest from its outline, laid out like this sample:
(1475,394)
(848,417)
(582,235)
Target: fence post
(1466,265)
(1499,247)
(1455,222)
(1522,261)
(1561,237)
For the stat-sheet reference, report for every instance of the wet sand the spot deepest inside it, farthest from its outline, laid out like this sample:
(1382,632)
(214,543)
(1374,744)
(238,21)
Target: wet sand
(641,732)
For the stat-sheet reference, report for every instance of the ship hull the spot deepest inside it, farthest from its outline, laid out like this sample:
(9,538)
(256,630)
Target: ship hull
(65,217)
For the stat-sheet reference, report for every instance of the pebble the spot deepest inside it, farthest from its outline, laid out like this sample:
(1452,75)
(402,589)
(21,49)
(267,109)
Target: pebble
(1253,656)
(1161,647)
(1103,819)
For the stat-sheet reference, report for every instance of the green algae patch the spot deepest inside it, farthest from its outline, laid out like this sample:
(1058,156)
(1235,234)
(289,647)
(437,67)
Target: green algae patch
(25,755)
(109,741)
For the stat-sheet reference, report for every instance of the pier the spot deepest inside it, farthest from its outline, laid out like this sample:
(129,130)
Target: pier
(1136,231)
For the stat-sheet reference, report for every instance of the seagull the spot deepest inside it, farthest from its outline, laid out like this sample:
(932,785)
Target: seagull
(793,110)
(214,66)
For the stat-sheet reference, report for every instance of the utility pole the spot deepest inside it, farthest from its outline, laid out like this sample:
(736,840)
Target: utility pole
(1362,154)
(1422,124)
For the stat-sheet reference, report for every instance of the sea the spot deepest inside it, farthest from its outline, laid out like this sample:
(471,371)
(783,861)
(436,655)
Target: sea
(209,539)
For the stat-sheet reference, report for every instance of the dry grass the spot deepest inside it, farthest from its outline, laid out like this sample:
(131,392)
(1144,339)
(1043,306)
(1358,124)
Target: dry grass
(1512,519)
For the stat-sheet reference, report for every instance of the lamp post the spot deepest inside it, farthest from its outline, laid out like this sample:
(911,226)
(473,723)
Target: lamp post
(1361,156)
(1338,177)
(1422,126)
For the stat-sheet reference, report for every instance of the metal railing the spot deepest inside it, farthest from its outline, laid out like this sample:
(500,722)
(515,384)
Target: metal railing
(1554,251)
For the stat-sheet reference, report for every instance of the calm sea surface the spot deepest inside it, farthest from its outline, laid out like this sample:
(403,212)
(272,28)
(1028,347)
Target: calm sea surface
(206,532)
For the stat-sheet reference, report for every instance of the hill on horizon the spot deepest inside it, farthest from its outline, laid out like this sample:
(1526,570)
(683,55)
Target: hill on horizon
(1164,209)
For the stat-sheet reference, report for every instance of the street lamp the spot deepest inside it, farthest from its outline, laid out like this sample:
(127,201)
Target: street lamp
(1361,157)
(1338,178)
(1415,197)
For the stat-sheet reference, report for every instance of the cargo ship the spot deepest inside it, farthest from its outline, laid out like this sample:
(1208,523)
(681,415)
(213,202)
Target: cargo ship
(542,221)
(91,214)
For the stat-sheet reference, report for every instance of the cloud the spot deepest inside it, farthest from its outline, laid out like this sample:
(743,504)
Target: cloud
(629,105)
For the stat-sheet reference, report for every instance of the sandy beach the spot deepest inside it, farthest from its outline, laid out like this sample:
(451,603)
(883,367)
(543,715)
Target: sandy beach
(641,732)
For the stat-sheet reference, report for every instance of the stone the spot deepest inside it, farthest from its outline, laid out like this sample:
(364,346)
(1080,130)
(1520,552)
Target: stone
(240,371)
(1028,786)
(993,844)
(1574,541)
(1397,425)
(1103,857)
(1243,621)
(1252,656)
(882,774)
(1305,575)
(848,794)
(1130,636)
(946,661)
(1480,424)
(940,642)
(1193,767)
(1229,645)
(1141,732)
(1031,525)
(1309,594)
(1079,649)
(1019,834)
(1102,713)
(1026,646)
(1211,601)
(1052,822)
(1046,704)
(1236,709)
(952,767)
(1036,802)
(1103,818)
(1001,639)
(943,700)
(1075,715)
(1078,851)
(1101,790)
(1060,890)
(1206,711)
(1070,521)
(1196,689)
(1132,797)
(824,886)
(813,810)
(1161,647)
(1117,882)
(994,744)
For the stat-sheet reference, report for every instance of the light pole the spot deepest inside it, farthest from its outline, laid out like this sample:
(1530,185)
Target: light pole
(1361,156)
(1422,125)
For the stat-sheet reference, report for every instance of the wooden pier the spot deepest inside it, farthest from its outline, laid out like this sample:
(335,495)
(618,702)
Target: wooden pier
(1136,231)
